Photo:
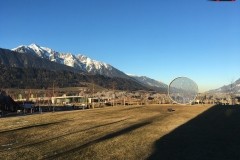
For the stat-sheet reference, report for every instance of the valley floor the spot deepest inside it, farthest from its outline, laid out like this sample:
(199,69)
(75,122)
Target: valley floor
(125,132)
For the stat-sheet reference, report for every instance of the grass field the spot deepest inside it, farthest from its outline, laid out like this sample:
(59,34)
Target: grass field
(125,132)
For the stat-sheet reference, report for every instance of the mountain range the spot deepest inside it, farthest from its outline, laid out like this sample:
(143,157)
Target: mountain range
(85,64)
(232,87)
(43,57)
(53,60)
(78,61)
(39,78)
(15,59)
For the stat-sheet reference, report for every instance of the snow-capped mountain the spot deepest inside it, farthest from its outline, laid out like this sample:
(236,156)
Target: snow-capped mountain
(77,61)
(82,62)
(148,81)
(235,88)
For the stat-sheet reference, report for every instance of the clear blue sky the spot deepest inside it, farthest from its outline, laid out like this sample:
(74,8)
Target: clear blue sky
(160,39)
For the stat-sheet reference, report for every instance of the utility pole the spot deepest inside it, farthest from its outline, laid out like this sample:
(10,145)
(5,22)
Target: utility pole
(93,88)
(52,99)
(92,93)
(113,86)
(53,88)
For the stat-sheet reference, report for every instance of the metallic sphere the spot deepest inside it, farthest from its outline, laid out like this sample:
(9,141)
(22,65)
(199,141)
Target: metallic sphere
(182,90)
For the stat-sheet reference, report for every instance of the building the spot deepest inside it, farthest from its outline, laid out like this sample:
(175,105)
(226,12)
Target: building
(67,100)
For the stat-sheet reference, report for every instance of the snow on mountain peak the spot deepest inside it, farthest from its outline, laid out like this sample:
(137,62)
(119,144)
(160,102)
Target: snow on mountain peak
(33,45)
(21,46)
(82,62)
(133,75)
(78,61)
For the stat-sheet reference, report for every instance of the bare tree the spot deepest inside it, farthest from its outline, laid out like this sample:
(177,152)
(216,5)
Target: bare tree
(232,90)
(113,88)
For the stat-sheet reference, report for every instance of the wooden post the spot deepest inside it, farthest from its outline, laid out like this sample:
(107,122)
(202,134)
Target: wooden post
(98,102)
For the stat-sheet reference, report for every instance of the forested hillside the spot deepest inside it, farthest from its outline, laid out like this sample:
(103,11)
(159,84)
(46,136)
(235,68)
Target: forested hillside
(14,77)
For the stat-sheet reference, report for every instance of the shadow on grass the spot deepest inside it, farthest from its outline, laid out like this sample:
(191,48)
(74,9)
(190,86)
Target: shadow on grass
(214,134)
(109,136)
(61,136)
(34,126)
(131,108)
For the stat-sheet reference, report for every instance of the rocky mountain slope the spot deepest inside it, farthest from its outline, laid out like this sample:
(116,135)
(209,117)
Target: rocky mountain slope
(86,64)
(78,61)
(148,81)
(15,59)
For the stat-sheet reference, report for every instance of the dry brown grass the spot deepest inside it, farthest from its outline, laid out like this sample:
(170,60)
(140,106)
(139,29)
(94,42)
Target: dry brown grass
(122,132)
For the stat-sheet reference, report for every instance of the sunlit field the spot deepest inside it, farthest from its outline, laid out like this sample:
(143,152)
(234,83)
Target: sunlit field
(119,132)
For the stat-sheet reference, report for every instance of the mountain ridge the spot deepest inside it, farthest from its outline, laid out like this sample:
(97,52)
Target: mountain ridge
(38,78)
(78,61)
(16,59)
(149,81)
(86,64)
(234,88)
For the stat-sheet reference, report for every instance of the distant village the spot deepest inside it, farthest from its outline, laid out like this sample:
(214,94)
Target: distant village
(30,101)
